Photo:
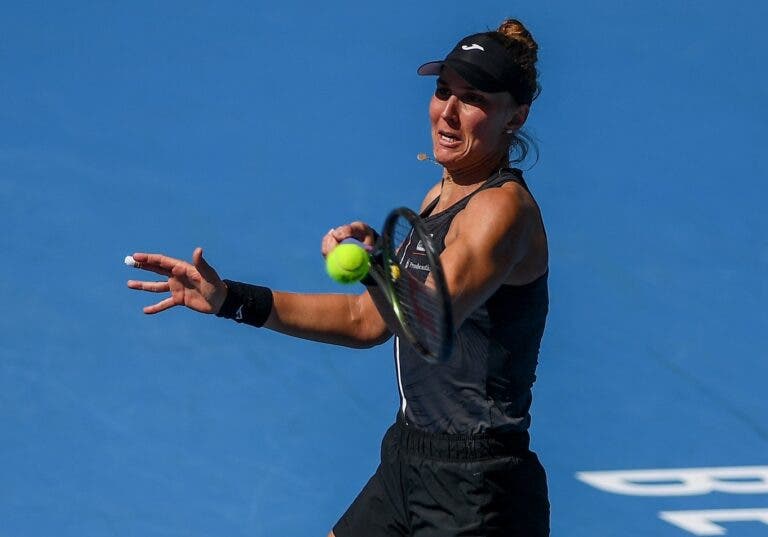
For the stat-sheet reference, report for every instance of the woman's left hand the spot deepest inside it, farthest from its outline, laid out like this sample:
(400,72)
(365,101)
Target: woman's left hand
(195,285)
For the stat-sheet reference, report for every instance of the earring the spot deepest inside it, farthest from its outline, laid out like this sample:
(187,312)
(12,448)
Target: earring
(510,131)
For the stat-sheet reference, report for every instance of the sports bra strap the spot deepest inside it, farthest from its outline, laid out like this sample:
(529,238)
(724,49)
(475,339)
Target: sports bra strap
(504,175)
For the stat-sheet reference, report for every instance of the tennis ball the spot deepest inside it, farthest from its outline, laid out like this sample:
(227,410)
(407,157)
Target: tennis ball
(347,263)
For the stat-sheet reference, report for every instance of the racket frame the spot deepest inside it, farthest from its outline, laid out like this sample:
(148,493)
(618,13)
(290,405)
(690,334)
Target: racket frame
(385,269)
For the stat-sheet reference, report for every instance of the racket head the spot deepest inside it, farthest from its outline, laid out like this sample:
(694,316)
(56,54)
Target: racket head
(422,308)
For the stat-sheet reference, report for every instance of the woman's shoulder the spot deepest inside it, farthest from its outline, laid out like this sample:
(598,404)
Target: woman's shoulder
(431,196)
(510,198)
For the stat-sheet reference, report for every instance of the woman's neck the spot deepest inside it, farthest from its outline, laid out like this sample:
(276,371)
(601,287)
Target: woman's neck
(459,183)
(477,173)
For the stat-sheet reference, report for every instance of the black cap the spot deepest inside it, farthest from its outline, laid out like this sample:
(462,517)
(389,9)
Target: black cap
(481,60)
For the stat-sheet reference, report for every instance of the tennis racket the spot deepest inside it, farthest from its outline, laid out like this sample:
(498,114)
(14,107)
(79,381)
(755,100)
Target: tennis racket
(418,298)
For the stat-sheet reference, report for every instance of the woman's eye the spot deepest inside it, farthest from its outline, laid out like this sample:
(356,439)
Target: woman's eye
(473,98)
(442,93)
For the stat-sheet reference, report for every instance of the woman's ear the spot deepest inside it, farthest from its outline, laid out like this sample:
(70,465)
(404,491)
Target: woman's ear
(518,118)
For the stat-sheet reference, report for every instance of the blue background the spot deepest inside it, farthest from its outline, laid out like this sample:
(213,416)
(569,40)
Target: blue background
(250,129)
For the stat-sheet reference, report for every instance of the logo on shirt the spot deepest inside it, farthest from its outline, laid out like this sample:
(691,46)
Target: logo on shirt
(420,245)
(418,266)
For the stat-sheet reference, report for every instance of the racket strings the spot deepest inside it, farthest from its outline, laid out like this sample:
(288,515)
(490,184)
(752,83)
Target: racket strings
(422,308)
(422,312)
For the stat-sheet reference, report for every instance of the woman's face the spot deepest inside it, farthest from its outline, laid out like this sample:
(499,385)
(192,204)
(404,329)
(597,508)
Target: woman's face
(468,125)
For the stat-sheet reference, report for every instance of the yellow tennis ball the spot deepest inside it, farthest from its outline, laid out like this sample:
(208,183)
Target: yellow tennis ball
(347,263)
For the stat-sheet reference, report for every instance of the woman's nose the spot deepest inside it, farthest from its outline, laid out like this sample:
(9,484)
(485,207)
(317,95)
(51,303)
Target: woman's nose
(450,109)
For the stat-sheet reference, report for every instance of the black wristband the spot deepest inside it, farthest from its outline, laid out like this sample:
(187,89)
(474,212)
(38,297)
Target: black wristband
(246,303)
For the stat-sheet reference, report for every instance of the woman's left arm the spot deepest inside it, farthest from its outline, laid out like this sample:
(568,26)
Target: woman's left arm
(485,242)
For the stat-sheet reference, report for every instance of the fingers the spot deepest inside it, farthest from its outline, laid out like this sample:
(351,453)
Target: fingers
(356,230)
(197,257)
(157,263)
(206,271)
(328,243)
(344,232)
(179,271)
(363,232)
(163,305)
(360,230)
(190,284)
(152,287)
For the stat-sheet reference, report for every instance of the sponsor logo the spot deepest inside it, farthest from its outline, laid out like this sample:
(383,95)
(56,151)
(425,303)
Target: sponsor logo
(420,245)
(473,46)
(746,480)
(418,266)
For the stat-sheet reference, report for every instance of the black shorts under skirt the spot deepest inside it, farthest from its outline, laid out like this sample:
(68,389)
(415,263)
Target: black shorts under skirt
(451,485)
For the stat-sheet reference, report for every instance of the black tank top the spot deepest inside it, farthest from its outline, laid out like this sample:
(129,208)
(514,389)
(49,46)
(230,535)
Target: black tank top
(486,383)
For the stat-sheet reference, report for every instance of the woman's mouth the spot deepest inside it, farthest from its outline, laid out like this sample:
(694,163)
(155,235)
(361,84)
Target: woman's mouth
(447,138)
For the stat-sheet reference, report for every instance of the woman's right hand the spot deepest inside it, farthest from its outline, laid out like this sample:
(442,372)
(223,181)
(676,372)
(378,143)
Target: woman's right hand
(195,285)
(356,230)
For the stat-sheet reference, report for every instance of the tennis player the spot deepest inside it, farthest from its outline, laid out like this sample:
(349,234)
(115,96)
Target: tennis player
(457,460)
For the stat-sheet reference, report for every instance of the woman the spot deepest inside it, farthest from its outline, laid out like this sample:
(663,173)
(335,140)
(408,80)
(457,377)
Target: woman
(456,462)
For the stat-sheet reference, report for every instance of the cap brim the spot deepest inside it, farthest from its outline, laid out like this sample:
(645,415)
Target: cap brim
(474,75)
(430,68)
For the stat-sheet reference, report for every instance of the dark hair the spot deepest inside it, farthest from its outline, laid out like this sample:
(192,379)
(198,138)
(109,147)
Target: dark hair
(521,44)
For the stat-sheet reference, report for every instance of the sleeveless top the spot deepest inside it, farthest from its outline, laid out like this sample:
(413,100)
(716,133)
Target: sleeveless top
(485,386)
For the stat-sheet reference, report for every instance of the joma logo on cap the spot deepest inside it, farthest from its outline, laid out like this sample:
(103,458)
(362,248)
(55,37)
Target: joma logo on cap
(473,46)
